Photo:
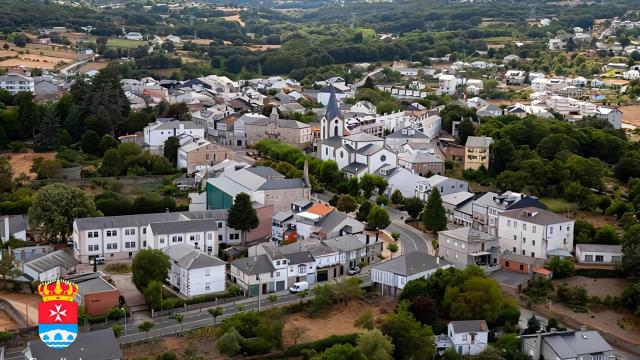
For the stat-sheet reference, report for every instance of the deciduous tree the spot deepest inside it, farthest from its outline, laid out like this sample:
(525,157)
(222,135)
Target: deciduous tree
(55,207)
(374,345)
(411,339)
(347,204)
(378,219)
(148,265)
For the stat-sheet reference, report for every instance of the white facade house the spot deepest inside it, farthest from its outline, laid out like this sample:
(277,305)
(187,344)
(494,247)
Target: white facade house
(15,83)
(447,84)
(193,272)
(133,36)
(469,337)
(598,254)
(120,237)
(51,266)
(392,275)
(155,134)
(357,154)
(13,225)
(535,232)
(612,115)
(445,186)
(259,275)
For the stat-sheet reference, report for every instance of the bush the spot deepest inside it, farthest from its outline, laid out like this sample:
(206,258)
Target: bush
(115,313)
(320,345)
(5,336)
(572,296)
(257,346)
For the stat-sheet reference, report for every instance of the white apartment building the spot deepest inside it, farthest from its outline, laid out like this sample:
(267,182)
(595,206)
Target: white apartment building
(535,232)
(155,134)
(120,237)
(447,84)
(389,277)
(445,186)
(193,272)
(15,83)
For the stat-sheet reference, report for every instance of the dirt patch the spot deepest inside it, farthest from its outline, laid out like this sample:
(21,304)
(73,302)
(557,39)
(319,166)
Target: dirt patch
(263,47)
(201,41)
(21,162)
(26,304)
(202,343)
(596,287)
(33,61)
(6,322)
(235,18)
(336,322)
(98,65)
(597,219)
(631,114)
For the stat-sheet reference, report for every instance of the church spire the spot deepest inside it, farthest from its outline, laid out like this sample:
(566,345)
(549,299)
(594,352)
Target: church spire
(332,111)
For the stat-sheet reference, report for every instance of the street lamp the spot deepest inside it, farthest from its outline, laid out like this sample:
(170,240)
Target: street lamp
(259,289)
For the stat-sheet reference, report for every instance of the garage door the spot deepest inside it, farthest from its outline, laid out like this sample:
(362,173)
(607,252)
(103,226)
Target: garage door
(280,285)
(323,276)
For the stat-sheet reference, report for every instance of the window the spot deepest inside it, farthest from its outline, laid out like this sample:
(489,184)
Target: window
(277,273)
(234,236)
(219,237)
(533,242)
(277,262)
(514,249)
(448,241)
(219,225)
(522,252)
(587,258)
(506,263)
(144,231)
(534,229)
(94,247)
(129,231)
(112,232)
(524,240)
(207,286)
(130,244)
(209,236)
(464,337)
(521,267)
(383,158)
(564,241)
(533,254)
(162,240)
(92,234)
(112,246)
(515,224)
(207,272)
(515,237)
(550,229)
(455,243)
(599,258)
(524,227)
(508,222)
(463,245)
(176,238)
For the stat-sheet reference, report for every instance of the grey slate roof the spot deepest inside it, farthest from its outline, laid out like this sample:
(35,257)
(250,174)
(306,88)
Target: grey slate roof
(600,248)
(399,135)
(282,215)
(468,234)
(175,124)
(479,141)
(295,253)
(292,124)
(265,172)
(369,149)
(468,326)
(354,168)
(254,265)
(189,258)
(539,216)
(334,141)
(345,243)
(283,184)
(363,137)
(17,223)
(90,283)
(457,197)
(107,222)
(411,263)
(176,227)
(571,344)
(52,260)
(94,345)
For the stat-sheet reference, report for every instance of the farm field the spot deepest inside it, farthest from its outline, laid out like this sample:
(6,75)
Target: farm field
(125,43)
(36,56)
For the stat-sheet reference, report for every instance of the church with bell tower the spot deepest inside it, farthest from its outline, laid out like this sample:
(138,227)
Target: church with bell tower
(332,123)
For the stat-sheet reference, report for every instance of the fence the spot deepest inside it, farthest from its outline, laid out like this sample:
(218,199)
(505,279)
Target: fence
(198,306)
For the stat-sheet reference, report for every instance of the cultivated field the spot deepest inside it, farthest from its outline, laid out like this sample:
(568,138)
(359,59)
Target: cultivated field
(36,56)
(631,115)
(235,18)
(125,43)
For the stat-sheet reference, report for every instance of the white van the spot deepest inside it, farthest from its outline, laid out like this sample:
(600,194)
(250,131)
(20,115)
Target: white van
(299,287)
(99,261)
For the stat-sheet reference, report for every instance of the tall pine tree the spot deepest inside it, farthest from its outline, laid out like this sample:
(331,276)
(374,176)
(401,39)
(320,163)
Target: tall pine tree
(47,138)
(242,216)
(434,216)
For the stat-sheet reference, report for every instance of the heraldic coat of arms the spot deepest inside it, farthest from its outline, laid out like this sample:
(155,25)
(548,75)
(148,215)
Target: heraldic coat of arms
(58,313)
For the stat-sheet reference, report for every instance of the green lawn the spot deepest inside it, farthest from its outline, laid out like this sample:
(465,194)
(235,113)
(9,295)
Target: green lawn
(559,205)
(124,43)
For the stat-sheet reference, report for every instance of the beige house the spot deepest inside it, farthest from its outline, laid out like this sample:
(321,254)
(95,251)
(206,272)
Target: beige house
(476,152)
(290,132)
(201,153)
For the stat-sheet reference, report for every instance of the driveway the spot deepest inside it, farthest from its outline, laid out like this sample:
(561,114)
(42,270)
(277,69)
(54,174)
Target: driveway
(132,295)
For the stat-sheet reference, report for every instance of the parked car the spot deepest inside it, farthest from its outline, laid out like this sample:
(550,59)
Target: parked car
(354,270)
(299,287)
(99,260)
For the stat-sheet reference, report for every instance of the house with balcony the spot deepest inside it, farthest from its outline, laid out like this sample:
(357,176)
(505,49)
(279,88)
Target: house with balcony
(466,246)
(487,207)
(301,265)
(476,152)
